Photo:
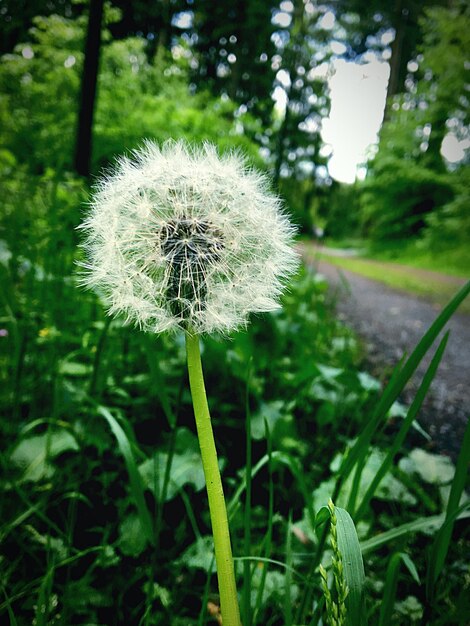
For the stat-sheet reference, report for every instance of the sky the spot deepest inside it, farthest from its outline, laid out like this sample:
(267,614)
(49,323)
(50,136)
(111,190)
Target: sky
(357,95)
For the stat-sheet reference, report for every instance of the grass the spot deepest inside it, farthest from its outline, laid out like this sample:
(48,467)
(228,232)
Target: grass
(452,259)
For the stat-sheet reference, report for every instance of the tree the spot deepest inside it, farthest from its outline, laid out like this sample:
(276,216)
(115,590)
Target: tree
(233,50)
(88,88)
(16,18)
(40,81)
(374,19)
(408,182)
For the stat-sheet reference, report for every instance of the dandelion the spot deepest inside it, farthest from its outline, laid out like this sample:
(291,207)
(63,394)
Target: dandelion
(184,238)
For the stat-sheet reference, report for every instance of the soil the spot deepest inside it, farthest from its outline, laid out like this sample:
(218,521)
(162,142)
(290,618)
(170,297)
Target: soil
(391,323)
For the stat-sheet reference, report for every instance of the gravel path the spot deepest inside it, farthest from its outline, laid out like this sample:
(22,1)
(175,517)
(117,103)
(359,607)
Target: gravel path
(391,323)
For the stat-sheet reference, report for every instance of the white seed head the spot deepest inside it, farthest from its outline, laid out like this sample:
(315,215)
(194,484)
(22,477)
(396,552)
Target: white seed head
(182,237)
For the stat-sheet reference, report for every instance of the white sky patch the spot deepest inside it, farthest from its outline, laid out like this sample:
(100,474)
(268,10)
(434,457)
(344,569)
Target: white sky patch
(183,20)
(281,18)
(358,95)
(27,52)
(454,149)
(327,21)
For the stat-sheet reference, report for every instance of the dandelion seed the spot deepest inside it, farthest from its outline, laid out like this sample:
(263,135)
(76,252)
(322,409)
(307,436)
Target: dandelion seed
(185,238)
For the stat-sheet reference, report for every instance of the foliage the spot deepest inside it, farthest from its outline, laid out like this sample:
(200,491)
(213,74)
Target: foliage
(341,211)
(408,190)
(233,50)
(40,82)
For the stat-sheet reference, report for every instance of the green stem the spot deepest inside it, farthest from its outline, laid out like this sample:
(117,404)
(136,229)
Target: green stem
(218,512)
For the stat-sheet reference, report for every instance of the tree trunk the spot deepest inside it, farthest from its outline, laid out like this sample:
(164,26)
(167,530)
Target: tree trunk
(396,60)
(83,144)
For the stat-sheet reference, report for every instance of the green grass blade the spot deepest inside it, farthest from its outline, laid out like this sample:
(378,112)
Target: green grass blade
(137,490)
(159,386)
(288,577)
(411,567)
(441,543)
(205,597)
(391,583)
(268,539)
(405,427)
(246,608)
(390,590)
(281,564)
(284,459)
(396,385)
(353,567)
(10,612)
(422,524)
(43,605)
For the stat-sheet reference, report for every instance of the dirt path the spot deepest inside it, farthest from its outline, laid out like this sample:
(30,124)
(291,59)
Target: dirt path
(392,323)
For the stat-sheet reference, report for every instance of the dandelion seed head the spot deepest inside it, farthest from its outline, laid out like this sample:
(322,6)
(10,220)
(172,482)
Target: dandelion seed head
(184,238)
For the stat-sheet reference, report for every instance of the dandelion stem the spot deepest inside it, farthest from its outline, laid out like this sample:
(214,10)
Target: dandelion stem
(218,512)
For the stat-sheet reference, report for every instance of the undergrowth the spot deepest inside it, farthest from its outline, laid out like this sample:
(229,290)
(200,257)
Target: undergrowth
(104,518)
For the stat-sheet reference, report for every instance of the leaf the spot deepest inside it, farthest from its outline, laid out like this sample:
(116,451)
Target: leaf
(391,583)
(353,567)
(411,567)
(74,369)
(390,590)
(406,425)
(441,544)
(411,608)
(390,488)
(396,385)
(329,374)
(32,453)
(200,555)
(368,382)
(422,524)
(137,491)
(272,412)
(433,468)
(132,540)
(186,467)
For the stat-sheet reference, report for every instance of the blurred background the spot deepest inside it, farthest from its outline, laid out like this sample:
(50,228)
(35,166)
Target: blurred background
(359,112)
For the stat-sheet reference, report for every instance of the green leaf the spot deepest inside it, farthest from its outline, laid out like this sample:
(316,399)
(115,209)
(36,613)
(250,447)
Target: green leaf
(272,412)
(390,590)
(440,546)
(368,382)
(411,567)
(423,524)
(353,568)
(390,488)
(74,369)
(137,491)
(396,385)
(200,555)
(434,469)
(391,583)
(132,540)
(406,425)
(32,454)
(186,469)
